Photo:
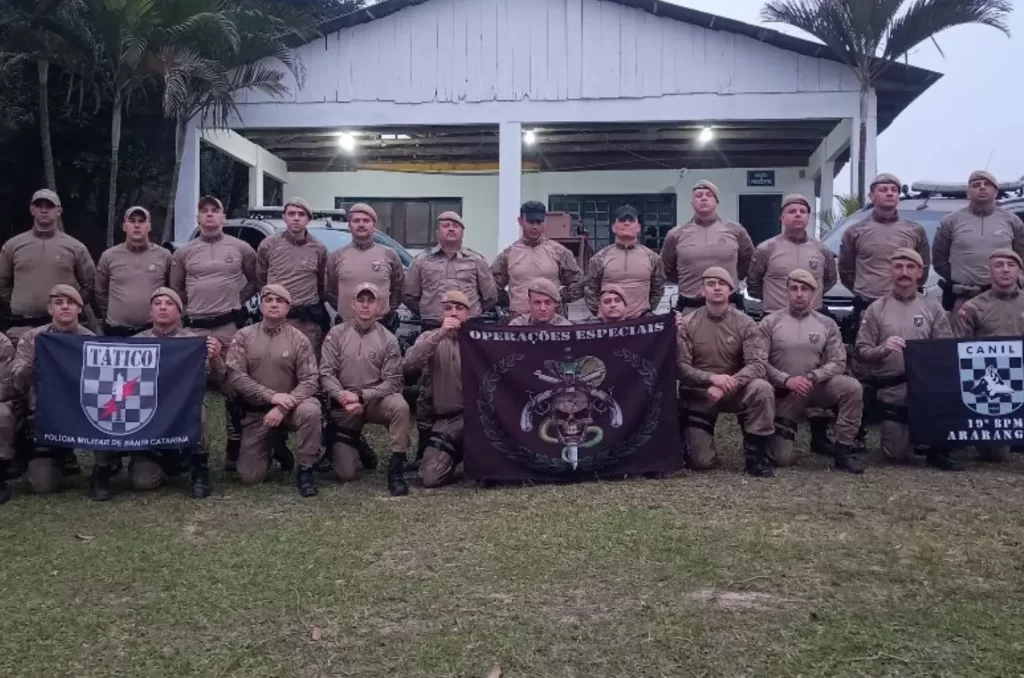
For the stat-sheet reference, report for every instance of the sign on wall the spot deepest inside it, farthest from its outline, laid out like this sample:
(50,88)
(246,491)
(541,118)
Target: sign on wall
(760,177)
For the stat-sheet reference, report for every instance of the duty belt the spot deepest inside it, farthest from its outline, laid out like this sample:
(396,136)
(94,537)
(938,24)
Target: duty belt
(951,291)
(314,313)
(217,320)
(736,299)
(887,382)
(29,320)
(124,330)
(428,325)
(246,406)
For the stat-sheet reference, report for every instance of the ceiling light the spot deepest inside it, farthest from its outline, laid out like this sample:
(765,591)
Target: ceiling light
(347,142)
(706,135)
(529,137)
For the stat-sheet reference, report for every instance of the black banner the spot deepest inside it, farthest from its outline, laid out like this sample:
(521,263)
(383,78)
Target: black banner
(119,395)
(556,403)
(964,392)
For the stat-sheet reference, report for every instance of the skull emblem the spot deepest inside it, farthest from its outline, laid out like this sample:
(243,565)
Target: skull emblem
(572,415)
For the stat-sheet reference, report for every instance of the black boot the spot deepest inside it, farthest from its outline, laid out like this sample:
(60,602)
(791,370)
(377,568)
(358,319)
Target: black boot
(848,459)
(282,455)
(99,483)
(200,476)
(67,461)
(946,459)
(820,444)
(422,440)
(755,452)
(396,480)
(231,452)
(860,443)
(306,482)
(5,490)
(325,464)
(367,457)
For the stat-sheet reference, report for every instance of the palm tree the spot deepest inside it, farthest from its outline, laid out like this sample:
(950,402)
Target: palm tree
(868,35)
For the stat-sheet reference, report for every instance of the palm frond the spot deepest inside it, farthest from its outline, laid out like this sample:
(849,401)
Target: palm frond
(925,19)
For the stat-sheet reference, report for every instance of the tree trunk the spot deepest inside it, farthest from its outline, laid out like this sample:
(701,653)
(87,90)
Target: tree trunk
(180,130)
(115,146)
(44,122)
(863,155)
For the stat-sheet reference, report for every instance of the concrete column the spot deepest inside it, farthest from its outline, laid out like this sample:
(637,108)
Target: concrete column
(871,145)
(256,183)
(510,181)
(827,191)
(855,157)
(187,198)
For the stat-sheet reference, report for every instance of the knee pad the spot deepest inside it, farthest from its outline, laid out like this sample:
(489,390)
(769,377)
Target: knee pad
(785,428)
(442,442)
(896,413)
(704,421)
(340,434)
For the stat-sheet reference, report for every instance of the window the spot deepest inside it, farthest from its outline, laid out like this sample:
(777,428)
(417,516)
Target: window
(595,214)
(273,191)
(410,221)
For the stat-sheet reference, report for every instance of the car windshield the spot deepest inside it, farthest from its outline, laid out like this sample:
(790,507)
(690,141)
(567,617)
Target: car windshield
(336,238)
(929,220)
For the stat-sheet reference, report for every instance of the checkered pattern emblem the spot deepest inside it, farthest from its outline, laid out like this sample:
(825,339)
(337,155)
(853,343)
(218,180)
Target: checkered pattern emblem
(992,376)
(119,386)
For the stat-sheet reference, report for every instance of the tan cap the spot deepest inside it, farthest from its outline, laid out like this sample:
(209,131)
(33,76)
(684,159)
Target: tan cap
(136,208)
(545,287)
(614,289)
(277,291)
(908,254)
(455,297)
(802,276)
(451,216)
(366,287)
(886,178)
(1007,253)
(46,194)
(719,273)
(704,183)
(985,175)
(365,209)
(170,294)
(66,291)
(210,200)
(301,204)
(796,199)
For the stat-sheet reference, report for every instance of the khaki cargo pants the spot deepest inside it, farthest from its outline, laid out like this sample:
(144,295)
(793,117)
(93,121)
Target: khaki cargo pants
(754,403)
(391,411)
(444,451)
(842,392)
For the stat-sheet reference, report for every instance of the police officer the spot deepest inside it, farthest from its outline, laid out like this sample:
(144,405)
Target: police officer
(274,372)
(361,374)
(364,260)
(149,471)
(215,275)
(126,276)
(12,414)
(436,352)
(966,237)
(706,240)
(44,465)
(33,262)
(611,306)
(889,322)
(637,270)
(543,297)
(806,361)
(721,361)
(535,256)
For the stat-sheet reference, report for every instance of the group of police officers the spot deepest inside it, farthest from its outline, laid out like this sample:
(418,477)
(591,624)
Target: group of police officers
(293,371)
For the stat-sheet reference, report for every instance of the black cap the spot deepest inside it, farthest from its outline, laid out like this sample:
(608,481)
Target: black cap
(532,210)
(627,212)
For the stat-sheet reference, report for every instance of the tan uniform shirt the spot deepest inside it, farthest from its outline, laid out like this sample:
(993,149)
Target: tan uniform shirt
(731,344)
(526,320)
(965,239)
(439,358)
(214,276)
(865,253)
(352,265)
(23,369)
(31,263)
(521,262)
(692,248)
(777,257)
(125,279)
(992,314)
(361,359)
(433,273)
(215,368)
(809,344)
(263,361)
(299,266)
(6,362)
(638,270)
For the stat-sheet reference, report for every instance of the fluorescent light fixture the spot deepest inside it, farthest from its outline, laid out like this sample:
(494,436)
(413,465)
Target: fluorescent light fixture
(706,135)
(394,137)
(529,137)
(347,142)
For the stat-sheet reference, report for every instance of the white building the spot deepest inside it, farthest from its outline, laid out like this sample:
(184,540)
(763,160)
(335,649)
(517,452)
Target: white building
(438,95)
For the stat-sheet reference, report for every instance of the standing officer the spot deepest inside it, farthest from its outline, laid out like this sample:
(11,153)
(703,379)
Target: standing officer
(638,270)
(126,276)
(297,261)
(274,372)
(12,413)
(705,241)
(361,374)
(721,369)
(543,297)
(888,324)
(364,260)
(436,352)
(776,257)
(33,262)
(44,470)
(806,361)
(535,256)
(214,275)
(966,237)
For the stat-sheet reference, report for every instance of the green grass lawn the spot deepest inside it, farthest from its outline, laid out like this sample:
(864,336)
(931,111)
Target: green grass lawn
(901,572)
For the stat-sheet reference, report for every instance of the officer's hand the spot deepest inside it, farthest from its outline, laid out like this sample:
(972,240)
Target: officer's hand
(212,348)
(355,408)
(451,325)
(283,400)
(799,385)
(724,382)
(715,394)
(347,397)
(273,418)
(895,343)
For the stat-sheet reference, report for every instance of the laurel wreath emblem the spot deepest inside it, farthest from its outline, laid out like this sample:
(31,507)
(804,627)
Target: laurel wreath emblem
(555,465)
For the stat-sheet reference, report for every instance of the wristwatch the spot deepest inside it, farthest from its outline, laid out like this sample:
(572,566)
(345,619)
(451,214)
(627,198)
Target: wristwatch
(810,376)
